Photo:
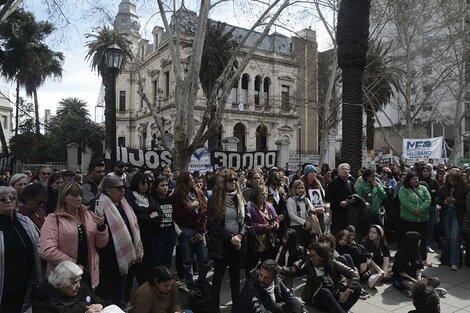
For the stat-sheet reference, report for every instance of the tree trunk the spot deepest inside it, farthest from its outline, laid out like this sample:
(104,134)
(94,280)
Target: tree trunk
(3,140)
(181,159)
(370,130)
(36,112)
(351,147)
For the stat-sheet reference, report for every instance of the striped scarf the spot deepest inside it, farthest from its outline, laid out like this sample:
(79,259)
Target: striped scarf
(127,252)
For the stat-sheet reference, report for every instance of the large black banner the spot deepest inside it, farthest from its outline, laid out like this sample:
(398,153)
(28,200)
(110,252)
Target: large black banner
(200,160)
(151,159)
(240,160)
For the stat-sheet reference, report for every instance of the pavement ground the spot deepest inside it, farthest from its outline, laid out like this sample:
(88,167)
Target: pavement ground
(386,298)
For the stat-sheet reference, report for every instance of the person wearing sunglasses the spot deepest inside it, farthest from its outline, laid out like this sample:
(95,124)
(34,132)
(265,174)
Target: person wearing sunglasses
(18,254)
(124,246)
(43,173)
(227,226)
(138,197)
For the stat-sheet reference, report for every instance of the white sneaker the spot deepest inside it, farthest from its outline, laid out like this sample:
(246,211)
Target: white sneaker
(454,267)
(429,249)
(373,280)
(441,292)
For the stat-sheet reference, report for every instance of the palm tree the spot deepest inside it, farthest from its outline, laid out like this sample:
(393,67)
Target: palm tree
(97,47)
(352,34)
(27,59)
(74,107)
(217,51)
(379,83)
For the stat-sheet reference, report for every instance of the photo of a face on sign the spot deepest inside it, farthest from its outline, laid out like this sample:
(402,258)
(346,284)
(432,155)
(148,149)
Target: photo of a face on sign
(315,197)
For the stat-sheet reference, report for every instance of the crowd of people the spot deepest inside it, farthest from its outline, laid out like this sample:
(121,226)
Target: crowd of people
(70,243)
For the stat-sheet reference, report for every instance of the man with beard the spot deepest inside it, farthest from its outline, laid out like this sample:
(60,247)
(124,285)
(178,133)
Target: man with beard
(119,171)
(264,290)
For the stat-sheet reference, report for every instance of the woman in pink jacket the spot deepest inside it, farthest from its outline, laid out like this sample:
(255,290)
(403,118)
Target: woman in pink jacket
(73,233)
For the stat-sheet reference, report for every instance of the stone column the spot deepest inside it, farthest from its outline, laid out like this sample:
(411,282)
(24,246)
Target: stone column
(330,150)
(72,156)
(282,152)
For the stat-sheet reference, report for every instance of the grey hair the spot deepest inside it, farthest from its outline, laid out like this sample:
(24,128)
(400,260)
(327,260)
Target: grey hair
(63,274)
(344,165)
(6,190)
(108,182)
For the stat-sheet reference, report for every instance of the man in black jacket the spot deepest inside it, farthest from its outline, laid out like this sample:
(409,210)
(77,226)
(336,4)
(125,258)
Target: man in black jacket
(263,292)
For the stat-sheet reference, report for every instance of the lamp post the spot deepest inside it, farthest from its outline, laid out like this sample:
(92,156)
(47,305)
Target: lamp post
(300,147)
(113,58)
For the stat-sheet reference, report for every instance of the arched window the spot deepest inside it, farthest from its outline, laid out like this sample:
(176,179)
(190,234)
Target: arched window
(233,93)
(262,138)
(266,86)
(244,91)
(239,131)
(258,82)
(215,142)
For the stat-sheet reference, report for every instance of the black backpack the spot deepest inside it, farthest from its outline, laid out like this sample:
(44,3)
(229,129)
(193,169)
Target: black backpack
(200,298)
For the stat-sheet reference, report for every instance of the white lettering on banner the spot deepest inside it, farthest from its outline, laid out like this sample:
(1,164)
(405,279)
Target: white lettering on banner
(240,160)
(427,148)
(149,158)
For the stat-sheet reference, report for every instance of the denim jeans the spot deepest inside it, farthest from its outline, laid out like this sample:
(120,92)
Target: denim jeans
(188,248)
(164,246)
(431,224)
(453,231)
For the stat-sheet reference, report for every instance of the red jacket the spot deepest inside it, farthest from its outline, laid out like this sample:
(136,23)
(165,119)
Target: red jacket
(186,217)
(59,241)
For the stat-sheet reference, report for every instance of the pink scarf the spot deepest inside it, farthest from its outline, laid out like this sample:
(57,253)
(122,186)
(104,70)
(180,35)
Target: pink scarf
(127,252)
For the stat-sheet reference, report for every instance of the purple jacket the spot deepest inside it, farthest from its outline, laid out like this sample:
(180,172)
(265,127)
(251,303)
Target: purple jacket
(259,225)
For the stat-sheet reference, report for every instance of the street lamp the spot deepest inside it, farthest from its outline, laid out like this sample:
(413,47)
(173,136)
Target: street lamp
(113,58)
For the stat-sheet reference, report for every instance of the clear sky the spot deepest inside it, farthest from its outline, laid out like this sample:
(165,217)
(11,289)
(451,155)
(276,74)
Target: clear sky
(79,81)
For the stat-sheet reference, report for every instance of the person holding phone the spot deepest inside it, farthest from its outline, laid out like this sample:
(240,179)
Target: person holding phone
(73,233)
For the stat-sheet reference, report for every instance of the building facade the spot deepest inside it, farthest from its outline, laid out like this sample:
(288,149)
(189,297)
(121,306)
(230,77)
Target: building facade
(6,114)
(273,100)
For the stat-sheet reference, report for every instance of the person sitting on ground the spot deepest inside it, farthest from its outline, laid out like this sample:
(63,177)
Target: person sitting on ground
(158,295)
(288,252)
(264,290)
(425,299)
(407,265)
(324,288)
(376,244)
(64,292)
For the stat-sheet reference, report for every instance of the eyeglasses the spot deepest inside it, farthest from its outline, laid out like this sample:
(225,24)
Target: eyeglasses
(46,173)
(8,199)
(145,182)
(121,187)
(232,180)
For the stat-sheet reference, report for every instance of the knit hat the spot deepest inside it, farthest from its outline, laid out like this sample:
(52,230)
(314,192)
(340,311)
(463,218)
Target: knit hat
(309,168)
(15,178)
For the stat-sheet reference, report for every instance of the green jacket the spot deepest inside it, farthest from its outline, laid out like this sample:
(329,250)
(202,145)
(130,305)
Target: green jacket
(373,195)
(410,200)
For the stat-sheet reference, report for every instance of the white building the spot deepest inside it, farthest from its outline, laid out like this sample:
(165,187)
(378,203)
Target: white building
(6,114)
(272,101)
(427,47)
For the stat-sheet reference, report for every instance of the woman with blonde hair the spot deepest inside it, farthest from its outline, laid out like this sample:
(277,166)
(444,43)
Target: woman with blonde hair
(227,227)
(73,233)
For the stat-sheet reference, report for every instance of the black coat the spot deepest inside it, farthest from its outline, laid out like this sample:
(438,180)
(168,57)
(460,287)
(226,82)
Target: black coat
(47,299)
(147,225)
(217,235)
(254,299)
